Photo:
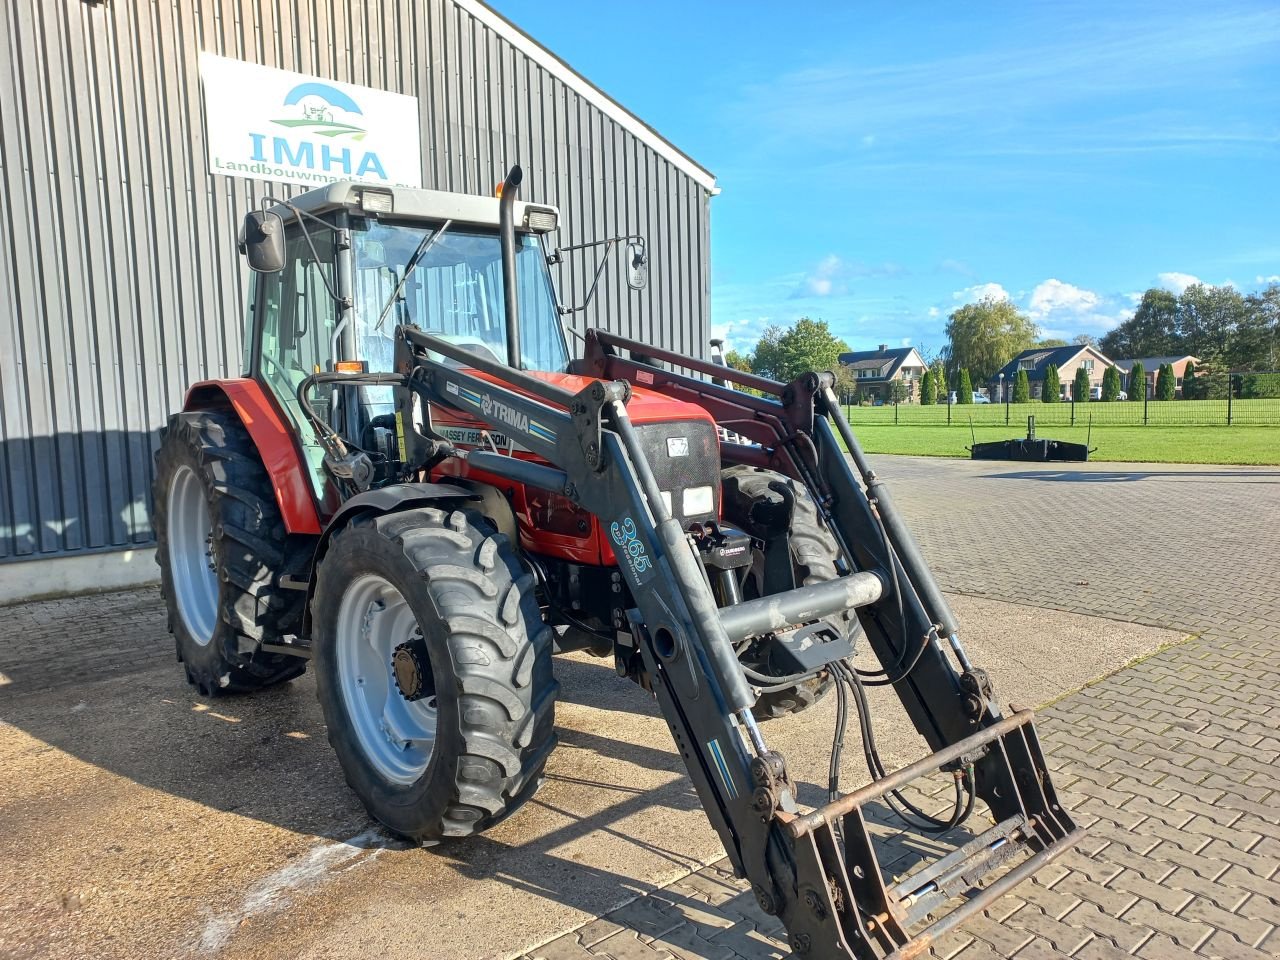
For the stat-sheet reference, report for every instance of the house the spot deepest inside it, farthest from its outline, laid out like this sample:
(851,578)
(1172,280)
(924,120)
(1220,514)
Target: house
(1152,366)
(1037,360)
(877,370)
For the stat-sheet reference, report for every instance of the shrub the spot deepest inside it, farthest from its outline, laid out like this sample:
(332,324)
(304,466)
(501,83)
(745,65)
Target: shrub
(1258,386)
(897,391)
(964,392)
(941,391)
(1166,383)
(1080,388)
(1051,392)
(1138,381)
(928,389)
(1110,384)
(1021,388)
(1190,389)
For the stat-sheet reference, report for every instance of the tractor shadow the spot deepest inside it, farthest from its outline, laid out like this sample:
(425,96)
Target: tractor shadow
(610,785)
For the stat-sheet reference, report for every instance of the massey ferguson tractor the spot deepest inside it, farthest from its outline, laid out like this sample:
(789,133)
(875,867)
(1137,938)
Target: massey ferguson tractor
(416,487)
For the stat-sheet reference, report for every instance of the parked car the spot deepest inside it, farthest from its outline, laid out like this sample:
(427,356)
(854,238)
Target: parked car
(977,398)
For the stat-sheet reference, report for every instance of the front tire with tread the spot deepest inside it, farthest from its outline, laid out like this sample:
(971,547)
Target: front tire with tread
(490,657)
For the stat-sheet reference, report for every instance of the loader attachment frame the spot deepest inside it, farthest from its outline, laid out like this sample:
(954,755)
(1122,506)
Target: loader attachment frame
(815,869)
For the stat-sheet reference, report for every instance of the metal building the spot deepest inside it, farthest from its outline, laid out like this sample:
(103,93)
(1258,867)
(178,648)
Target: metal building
(118,269)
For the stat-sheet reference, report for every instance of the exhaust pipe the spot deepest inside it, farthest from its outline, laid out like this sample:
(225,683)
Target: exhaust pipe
(507,236)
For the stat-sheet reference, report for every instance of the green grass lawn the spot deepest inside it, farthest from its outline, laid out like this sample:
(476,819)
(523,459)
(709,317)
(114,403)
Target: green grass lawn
(1151,444)
(1119,413)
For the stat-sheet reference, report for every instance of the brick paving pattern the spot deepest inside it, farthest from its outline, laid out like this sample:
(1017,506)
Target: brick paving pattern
(1173,764)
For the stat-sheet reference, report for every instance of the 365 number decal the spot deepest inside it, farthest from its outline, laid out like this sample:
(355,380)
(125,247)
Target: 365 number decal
(630,547)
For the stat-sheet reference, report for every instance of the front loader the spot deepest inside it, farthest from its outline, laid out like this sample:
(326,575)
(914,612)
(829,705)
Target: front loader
(415,488)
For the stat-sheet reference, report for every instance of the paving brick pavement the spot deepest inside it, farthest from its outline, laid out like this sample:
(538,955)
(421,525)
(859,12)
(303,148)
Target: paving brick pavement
(1172,763)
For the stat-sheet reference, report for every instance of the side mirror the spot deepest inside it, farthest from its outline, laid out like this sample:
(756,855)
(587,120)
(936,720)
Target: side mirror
(262,241)
(637,265)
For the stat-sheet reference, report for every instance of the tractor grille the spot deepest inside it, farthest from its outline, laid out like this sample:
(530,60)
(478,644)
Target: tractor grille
(685,458)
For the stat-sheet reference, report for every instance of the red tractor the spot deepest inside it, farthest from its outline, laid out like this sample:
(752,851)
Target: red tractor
(416,487)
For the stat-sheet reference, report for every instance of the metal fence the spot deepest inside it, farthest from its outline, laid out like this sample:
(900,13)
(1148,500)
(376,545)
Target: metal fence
(1237,407)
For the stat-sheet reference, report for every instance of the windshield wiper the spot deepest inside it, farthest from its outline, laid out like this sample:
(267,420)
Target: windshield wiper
(428,241)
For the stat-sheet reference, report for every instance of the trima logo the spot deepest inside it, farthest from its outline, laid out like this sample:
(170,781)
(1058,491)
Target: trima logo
(319,111)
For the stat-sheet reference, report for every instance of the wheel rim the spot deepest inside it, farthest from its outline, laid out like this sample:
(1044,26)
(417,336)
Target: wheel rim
(395,734)
(191,563)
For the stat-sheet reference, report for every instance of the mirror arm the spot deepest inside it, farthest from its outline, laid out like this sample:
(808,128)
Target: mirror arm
(343,241)
(595,282)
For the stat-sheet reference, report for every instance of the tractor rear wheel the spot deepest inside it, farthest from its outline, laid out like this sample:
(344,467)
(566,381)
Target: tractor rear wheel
(756,500)
(221,544)
(433,668)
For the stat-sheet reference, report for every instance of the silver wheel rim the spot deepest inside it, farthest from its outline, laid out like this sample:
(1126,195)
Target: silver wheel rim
(396,735)
(192,568)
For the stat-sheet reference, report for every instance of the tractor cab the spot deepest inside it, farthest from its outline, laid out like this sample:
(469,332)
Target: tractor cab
(338,269)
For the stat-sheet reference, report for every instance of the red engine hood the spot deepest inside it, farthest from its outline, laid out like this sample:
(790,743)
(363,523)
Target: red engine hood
(645,405)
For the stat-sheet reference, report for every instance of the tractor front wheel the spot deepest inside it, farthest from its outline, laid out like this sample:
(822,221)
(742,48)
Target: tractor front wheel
(221,545)
(433,668)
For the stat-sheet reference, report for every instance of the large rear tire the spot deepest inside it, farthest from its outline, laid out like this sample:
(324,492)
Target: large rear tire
(221,544)
(433,668)
(756,500)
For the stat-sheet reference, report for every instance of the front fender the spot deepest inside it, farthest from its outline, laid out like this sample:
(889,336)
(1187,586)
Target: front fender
(398,496)
(275,440)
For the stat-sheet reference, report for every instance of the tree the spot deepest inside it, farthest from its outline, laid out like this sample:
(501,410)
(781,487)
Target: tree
(1021,388)
(1209,321)
(964,392)
(738,361)
(1190,389)
(1138,381)
(1084,340)
(785,354)
(897,391)
(1258,343)
(1051,342)
(1151,331)
(983,336)
(1080,388)
(928,389)
(942,392)
(1051,392)
(1111,384)
(846,380)
(1166,382)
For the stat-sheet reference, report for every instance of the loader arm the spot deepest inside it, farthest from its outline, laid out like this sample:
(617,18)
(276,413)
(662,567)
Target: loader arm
(815,869)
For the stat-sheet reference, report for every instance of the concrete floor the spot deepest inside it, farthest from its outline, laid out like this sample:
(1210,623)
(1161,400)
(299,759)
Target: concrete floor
(138,820)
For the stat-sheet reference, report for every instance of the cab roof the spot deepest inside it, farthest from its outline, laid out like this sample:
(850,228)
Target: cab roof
(409,203)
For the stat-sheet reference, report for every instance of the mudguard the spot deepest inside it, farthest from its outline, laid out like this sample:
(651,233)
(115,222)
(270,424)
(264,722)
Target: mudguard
(398,496)
(274,439)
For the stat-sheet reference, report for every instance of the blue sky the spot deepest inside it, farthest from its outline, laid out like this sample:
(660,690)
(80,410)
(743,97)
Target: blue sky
(882,164)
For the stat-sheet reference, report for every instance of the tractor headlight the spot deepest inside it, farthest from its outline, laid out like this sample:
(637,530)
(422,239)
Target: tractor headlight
(697,500)
(540,219)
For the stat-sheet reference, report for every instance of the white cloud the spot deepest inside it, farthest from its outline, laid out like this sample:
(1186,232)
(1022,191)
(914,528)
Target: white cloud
(906,341)
(740,335)
(1176,282)
(822,281)
(1054,297)
(934,312)
(981,291)
(1260,279)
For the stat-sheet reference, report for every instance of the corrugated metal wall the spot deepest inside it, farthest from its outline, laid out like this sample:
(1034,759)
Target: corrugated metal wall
(118,273)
